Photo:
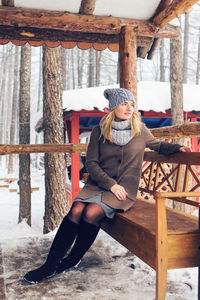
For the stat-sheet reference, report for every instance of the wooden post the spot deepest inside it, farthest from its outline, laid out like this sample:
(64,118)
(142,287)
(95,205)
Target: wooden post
(75,156)
(128,59)
(161,249)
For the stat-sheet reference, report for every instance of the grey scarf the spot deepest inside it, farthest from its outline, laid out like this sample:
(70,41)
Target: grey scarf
(121,132)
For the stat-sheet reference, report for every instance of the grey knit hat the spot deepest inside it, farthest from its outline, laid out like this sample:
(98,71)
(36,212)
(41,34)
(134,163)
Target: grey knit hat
(117,96)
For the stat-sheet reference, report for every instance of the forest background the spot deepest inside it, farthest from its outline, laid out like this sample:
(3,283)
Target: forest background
(24,66)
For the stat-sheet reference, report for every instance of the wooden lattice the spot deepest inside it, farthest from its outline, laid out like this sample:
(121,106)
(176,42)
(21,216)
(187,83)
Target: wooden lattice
(168,176)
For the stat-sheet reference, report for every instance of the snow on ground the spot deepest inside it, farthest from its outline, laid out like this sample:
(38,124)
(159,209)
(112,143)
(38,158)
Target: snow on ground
(105,272)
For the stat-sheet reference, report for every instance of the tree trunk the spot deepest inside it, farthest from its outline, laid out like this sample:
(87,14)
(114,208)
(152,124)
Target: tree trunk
(91,71)
(176,92)
(162,60)
(9,93)
(69,75)
(39,137)
(81,57)
(3,94)
(39,103)
(185,48)
(24,134)
(118,70)
(55,198)
(63,67)
(73,69)
(176,81)
(98,67)
(198,60)
(14,107)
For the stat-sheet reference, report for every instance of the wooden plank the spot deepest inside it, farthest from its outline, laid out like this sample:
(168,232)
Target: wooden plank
(8,179)
(13,190)
(178,222)
(33,189)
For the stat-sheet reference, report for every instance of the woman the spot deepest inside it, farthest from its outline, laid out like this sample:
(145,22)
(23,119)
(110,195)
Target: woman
(114,161)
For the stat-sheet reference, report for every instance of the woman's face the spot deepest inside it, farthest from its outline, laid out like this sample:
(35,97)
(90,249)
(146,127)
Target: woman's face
(124,111)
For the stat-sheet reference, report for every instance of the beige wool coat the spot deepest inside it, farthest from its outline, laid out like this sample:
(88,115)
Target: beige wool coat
(108,164)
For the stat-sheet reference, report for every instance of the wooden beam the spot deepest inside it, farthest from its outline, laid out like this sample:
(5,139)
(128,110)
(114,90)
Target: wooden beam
(153,48)
(128,59)
(173,10)
(42,148)
(150,48)
(87,7)
(35,34)
(143,50)
(42,19)
(163,4)
(185,130)
(8,2)
(40,34)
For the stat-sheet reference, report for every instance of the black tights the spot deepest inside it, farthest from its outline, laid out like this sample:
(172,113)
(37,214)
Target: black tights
(90,212)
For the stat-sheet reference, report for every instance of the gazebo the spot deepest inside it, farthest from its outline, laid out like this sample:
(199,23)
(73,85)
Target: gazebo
(131,27)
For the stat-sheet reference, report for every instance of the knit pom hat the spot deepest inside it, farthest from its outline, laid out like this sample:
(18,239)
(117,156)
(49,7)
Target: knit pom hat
(117,96)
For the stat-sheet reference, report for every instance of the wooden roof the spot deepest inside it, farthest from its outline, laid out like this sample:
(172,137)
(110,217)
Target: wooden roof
(88,23)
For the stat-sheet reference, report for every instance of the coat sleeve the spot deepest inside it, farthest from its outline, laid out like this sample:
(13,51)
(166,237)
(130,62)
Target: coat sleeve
(92,162)
(158,146)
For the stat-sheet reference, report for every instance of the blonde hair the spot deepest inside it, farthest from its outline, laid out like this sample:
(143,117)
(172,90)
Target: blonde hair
(106,125)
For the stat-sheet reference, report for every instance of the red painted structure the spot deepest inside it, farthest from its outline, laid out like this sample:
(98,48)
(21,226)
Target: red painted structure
(71,120)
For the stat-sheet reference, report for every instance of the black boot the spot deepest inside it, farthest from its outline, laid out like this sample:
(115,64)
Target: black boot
(63,240)
(86,235)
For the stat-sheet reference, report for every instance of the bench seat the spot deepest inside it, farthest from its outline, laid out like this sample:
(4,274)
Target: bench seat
(136,230)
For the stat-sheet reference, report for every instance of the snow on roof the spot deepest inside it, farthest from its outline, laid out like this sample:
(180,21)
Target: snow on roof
(152,95)
(137,9)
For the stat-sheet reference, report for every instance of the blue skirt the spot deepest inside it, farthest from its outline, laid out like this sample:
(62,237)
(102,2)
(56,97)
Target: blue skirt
(108,210)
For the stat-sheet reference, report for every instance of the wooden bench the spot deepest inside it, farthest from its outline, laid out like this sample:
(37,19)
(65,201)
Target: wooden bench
(162,237)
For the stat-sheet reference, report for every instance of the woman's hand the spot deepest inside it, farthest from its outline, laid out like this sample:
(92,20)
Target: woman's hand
(119,191)
(185,149)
